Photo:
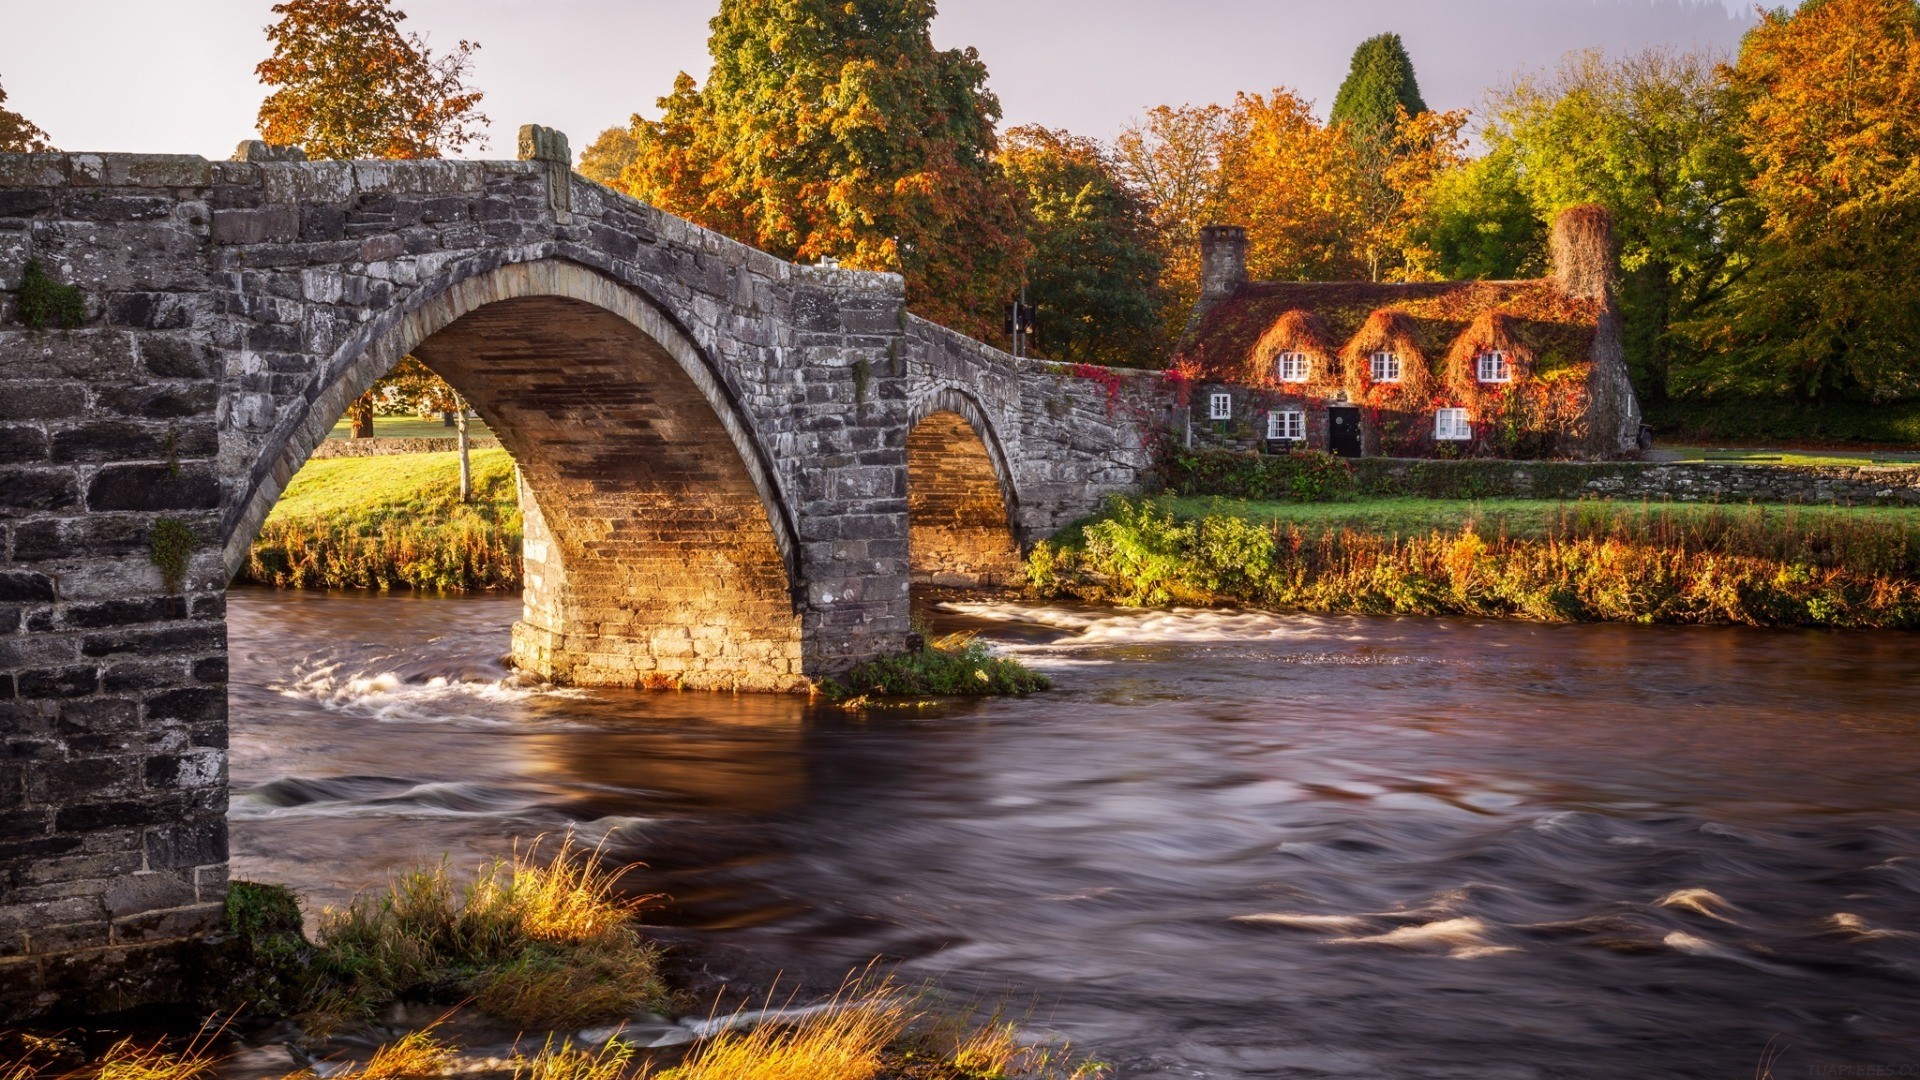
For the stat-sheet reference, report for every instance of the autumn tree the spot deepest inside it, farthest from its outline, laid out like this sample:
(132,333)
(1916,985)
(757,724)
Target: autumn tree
(1172,160)
(1650,137)
(1093,275)
(1295,188)
(837,129)
(18,135)
(610,155)
(349,84)
(1826,103)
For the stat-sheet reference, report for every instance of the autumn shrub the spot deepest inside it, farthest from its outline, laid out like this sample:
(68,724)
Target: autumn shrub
(1583,562)
(1307,475)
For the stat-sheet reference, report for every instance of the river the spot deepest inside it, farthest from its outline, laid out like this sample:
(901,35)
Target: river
(1227,845)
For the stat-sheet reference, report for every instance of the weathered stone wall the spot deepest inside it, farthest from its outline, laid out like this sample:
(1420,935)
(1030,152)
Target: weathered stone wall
(714,445)
(353,448)
(1684,481)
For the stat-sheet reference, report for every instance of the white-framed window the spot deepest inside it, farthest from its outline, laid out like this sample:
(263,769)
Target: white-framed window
(1386,367)
(1452,425)
(1291,367)
(1492,366)
(1287,424)
(1220,407)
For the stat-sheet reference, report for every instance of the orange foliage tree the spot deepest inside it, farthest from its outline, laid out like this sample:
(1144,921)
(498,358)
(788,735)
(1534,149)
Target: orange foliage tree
(837,129)
(348,84)
(19,135)
(1828,104)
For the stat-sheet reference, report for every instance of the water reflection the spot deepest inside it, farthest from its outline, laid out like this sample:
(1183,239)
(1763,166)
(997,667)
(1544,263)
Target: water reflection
(1229,845)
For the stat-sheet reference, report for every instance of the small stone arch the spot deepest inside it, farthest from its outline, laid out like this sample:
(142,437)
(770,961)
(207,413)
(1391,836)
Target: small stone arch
(659,550)
(962,502)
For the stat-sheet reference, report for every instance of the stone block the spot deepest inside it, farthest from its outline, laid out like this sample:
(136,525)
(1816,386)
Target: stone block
(153,487)
(275,224)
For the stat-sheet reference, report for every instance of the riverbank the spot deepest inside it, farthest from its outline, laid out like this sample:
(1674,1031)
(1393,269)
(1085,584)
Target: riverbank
(1560,562)
(393,522)
(537,966)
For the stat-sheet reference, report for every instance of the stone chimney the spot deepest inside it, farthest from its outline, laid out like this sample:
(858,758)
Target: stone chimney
(1223,262)
(1584,263)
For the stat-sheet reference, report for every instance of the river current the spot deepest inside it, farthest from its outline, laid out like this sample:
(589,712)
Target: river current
(1227,845)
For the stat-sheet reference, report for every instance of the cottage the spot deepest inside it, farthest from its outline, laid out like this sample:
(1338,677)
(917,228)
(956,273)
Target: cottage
(1415,369)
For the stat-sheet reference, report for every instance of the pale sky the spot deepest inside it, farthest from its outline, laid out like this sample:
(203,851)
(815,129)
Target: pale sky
(176,76)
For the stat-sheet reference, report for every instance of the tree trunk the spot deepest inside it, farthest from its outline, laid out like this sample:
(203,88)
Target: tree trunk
(360,413)
(466,468)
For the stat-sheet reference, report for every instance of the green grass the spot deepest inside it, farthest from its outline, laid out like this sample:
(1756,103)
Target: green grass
(1530,518)
(393,522)
(1763,456)
(412,427)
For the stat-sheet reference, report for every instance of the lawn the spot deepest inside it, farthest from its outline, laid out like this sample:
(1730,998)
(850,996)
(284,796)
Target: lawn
(393,522)
(1753,456)
(1515,517)
(411,427)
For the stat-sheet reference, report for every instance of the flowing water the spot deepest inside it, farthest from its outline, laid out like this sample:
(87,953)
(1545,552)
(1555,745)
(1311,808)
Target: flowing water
(1228,845)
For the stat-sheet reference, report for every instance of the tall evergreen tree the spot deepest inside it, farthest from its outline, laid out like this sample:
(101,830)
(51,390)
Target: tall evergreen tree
(835,128)
(1379,80)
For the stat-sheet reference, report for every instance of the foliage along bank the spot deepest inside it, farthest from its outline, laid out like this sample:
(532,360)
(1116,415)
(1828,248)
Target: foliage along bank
(1589,562)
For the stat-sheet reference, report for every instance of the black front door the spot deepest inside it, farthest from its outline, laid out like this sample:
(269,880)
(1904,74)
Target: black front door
(1343,430)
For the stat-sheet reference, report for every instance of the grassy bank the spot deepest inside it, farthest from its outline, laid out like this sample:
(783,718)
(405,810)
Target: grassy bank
(393,522)
(1570,562)
(548,945)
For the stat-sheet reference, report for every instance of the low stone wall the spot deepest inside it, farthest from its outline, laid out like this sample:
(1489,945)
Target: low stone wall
(1683,481)
(338,448)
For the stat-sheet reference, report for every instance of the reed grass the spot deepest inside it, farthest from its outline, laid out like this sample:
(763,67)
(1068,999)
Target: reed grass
(565,1061)
(1589,561)
(393,522)
(417,1055)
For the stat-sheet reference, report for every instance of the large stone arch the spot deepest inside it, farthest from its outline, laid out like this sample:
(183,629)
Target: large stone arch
(962,501)
(659,548)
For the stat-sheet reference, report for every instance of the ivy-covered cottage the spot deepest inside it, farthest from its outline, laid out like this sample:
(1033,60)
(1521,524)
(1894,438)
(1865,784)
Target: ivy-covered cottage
(1416,369)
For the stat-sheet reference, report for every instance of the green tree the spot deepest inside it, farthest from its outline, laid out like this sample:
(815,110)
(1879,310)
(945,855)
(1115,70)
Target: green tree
(1093,275)
(1649,137)
(1479,224)
(611,154)
(1826,104)
(1379,80)
(835,128)
(18,135)
(348,84)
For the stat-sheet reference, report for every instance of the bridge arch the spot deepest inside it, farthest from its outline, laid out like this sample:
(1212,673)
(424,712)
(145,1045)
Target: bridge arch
(659,550)
(962,499)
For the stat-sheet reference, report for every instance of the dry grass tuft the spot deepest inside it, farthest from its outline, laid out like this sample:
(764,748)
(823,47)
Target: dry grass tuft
(847,1039)
(568,1062)
(418,1055)
(546,942)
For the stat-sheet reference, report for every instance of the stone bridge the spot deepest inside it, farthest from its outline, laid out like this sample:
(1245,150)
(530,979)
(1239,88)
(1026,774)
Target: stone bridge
(731,469)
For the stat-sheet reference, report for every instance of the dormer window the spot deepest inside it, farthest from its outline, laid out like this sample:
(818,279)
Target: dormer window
(1220,407)
(1492,366)
(1291,367)
(1452,425)
(1386,367)
(1288,424)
